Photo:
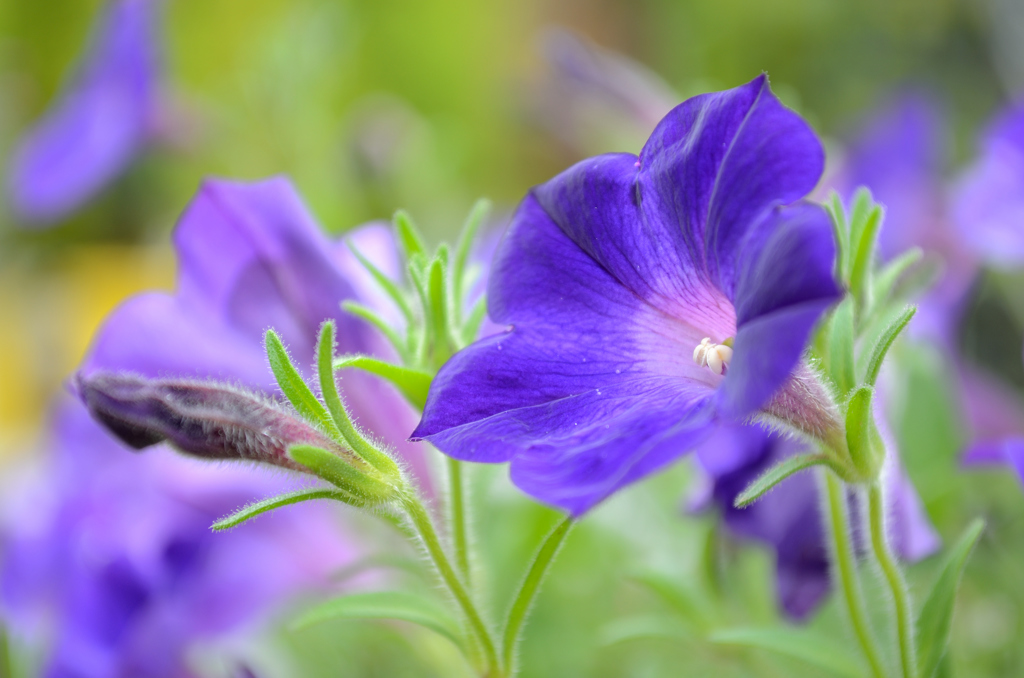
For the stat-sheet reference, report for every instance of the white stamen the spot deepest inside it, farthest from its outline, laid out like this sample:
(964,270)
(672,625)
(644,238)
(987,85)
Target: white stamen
(715,357)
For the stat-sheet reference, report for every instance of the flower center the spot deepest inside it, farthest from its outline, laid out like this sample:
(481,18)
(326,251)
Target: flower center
(715,357)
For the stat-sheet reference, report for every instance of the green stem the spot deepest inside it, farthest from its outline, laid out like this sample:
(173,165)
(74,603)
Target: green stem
(425,527)
(894,578)
(845,566)
(457,510)
(528,592)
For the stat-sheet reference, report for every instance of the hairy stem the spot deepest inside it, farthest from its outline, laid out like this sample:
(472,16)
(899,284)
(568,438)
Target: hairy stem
(457,515)
(845,569)
(894,578)
(425,528)
(523,600)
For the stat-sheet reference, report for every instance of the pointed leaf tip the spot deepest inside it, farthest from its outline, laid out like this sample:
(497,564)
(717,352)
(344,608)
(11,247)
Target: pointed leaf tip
(775,475)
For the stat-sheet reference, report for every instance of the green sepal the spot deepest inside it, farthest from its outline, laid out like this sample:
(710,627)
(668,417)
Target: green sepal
(295,388)
(775,475)
(408,235)
(936,618)
(885,341)
(256,508)
(389,286)
(365,490)
(867,451)
(411,383)
(857,218)
(400,345)
(807,646)
(332,399)
(385,605)
(476,217)
(840,346)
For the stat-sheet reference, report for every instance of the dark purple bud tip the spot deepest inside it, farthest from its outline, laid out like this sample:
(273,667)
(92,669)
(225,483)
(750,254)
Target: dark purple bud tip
(204,419)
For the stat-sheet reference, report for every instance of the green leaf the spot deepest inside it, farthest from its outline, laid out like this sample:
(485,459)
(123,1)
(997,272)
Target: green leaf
(841,230)
(858,217)
(412,383)
(881,349)
(862,437)
(936,618)
(384,605)
(800,644)
(476,316)
(465,244)
(840,354)
(387,284)
(643,627)
(369,315)
(775,475)
(408,235)
(295,388)
(256,508)
(687,602)
(329,390)
(438,304)
(864,257)
(365,489)
(885,279)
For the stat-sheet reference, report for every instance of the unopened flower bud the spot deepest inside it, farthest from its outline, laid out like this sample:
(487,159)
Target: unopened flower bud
(203,419)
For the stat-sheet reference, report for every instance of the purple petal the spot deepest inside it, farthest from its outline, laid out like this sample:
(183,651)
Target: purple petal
(988,206)
(784,286)
(718,160)
(98,125)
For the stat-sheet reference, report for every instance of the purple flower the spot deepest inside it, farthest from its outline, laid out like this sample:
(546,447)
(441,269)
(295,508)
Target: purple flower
(122,560)
(900,155)
(988,200)
(996,416)
(788,519)
(100,122)
(608,279)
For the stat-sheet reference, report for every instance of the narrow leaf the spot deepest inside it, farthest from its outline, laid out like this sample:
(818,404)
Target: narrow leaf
(864,257)
(933,625)
(389,286)
(800,644)
(474,320)
(686,601)
(885,342)
(438,304)
(841,230)
(256,508)
(295,388)
(369,315)
(384,605)
(858,216)
(840,354)
(463,247)
(329,390)
(413,384)
(340,473)
(643,627)
(861,435)
(885,279)
(408,235)
(775,475)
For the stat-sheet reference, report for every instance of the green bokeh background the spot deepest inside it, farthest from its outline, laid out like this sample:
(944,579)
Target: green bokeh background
(426,105)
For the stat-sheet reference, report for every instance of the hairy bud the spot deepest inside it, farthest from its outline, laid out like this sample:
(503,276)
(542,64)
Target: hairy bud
(203,419)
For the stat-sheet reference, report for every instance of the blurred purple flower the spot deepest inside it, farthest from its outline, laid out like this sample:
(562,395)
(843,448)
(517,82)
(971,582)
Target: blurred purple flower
(98,124)
(788,518)
(122,561)
(996,416)
(988,200)
(610,276)
(900,155)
